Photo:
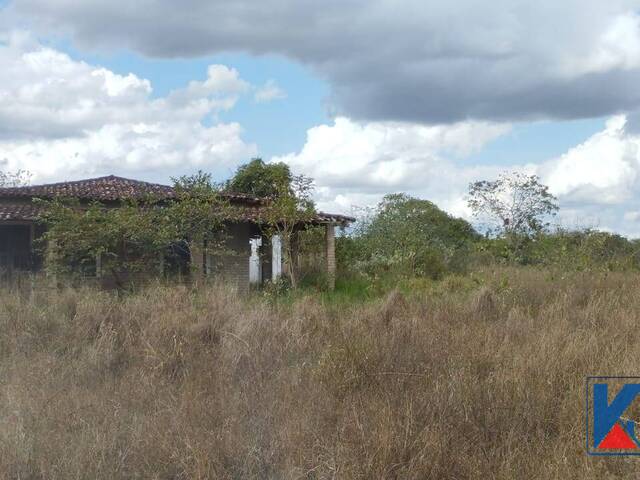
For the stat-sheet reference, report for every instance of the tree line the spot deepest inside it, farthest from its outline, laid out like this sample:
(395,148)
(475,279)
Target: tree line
(401,236)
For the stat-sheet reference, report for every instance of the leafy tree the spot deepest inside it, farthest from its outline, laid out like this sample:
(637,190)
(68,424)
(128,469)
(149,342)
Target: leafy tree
(260,179)
(516,204)
(15,179)
(411,235)
(196,218)
(127,239)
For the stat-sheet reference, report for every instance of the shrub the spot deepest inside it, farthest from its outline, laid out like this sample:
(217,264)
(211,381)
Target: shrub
(407,236)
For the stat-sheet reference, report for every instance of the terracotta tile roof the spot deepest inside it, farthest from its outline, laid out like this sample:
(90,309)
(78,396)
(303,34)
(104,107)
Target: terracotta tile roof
(102,188)
(110,188)
(323,217)
(114,188)
(24,211)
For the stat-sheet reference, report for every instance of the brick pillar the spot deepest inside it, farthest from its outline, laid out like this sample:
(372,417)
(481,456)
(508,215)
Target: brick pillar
(330,252)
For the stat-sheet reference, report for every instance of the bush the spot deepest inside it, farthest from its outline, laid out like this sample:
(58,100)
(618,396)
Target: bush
(568,250)
(407,236)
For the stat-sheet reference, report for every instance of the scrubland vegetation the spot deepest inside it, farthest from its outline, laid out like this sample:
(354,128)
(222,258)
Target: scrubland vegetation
(475,376)
(442,353)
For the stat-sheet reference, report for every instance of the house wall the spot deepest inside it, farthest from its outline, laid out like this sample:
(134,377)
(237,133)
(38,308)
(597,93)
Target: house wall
(232,267)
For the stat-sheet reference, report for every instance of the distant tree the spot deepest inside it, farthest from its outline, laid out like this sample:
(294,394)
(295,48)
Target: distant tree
(18,178)
(515,203)
(260,179)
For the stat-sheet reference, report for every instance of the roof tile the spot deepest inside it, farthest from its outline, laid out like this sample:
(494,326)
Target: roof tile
(113,188)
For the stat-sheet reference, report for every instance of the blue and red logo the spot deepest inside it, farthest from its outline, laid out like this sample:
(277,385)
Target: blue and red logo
(612,404)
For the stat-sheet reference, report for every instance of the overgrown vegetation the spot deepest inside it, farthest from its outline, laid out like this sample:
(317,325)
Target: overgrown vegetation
(137,234)
(407,236)
(477,376)
(403,238)
(442,353)
(260,179)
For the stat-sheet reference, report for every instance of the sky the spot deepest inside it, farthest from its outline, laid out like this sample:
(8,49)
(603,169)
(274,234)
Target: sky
(367,97)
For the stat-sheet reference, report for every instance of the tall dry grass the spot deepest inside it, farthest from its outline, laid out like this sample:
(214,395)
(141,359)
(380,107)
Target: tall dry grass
(456,381)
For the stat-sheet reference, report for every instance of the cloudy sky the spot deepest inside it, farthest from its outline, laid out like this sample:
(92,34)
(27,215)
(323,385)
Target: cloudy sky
(366,96)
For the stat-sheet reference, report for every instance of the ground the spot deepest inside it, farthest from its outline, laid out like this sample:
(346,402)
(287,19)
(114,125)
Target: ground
(476,376)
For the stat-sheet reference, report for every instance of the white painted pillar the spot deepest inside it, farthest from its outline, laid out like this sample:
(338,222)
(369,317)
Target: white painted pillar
(276,257)
(255,273)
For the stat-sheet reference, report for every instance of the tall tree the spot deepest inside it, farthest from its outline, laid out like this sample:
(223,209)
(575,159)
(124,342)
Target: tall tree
(260,179)
(514,203)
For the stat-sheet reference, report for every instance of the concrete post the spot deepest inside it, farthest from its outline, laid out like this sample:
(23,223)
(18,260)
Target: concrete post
(276,257)
(255,272)
(330,252)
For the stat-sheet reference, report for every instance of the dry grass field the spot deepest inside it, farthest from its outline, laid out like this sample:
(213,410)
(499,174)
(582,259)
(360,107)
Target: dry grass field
(470,377)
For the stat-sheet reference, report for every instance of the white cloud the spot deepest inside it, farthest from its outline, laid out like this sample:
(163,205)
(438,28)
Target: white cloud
(598,181)
(605,169)
(62,118)
(268,92)
(139,149)
(355,164)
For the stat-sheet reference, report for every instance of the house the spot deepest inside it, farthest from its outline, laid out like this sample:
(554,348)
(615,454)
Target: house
(255,259)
